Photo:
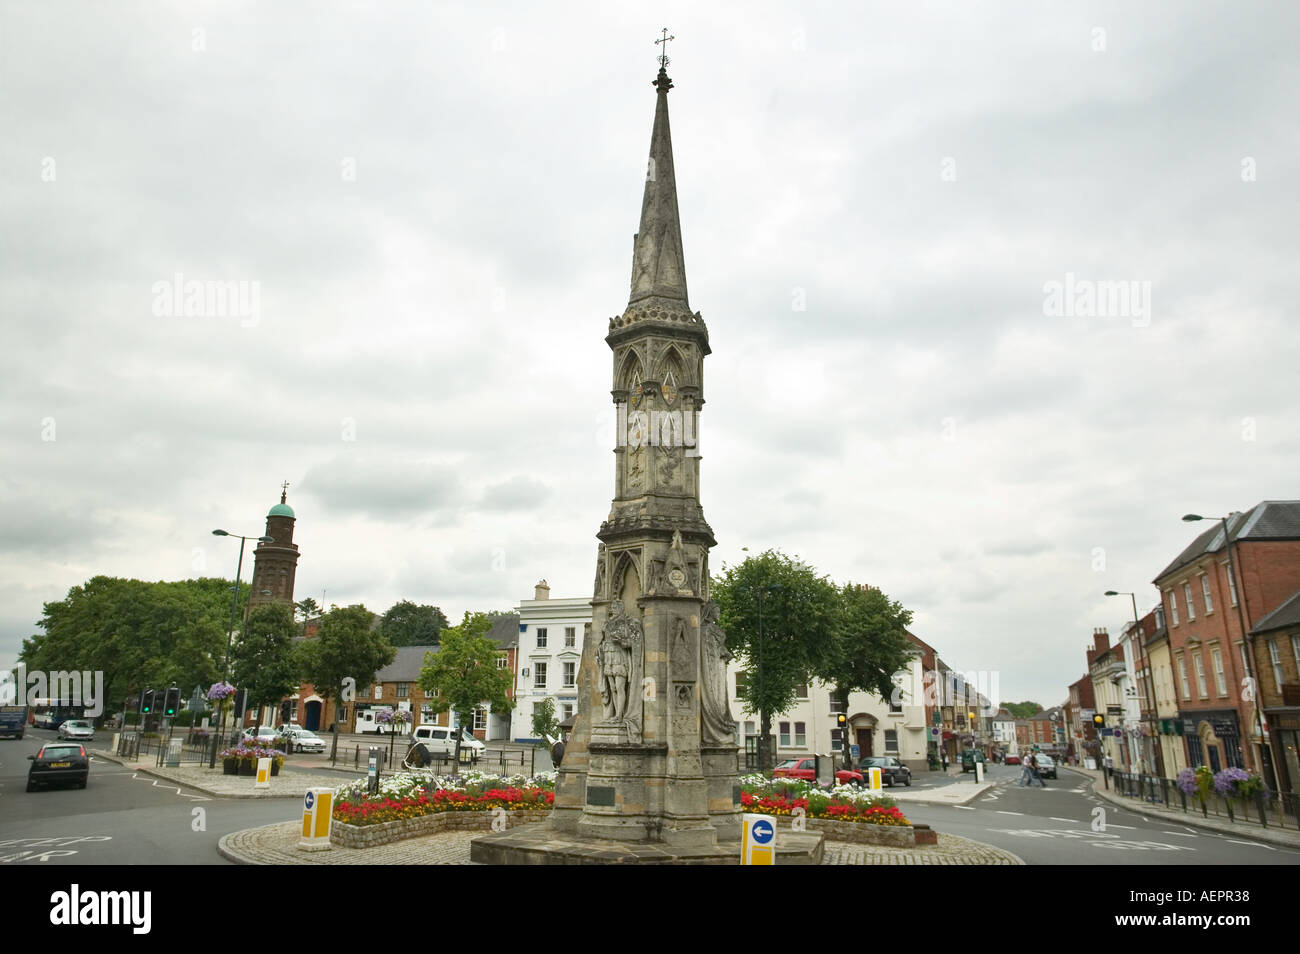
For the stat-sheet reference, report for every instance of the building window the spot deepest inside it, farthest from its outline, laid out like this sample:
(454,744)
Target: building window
(1205,594)
(896,702)
(1182,675)
(1232,583)
(1200,675)
(751,728)
(1187,595)
(502,661)
(836,741)
(1295,651)
(379,690)
(1173,607)
(784,733)
(742,683)
(1275,658)
(834,704)
(341,715)
(426,715)
(403,690)
(569,675)
(891,740)
(1219,682)
(541,638)
(800,735)
(567,709)
(480,718)
(570,637)
(539,675)
(801,692)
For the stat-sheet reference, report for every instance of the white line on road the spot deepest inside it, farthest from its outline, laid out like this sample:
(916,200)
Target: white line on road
(965,808)
(1180,834)
(1253,844)
(1054,818)
(1129,827)
(1010,813)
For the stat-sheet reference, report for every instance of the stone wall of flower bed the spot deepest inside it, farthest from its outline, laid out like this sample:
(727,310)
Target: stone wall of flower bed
(368,836)
(892,836)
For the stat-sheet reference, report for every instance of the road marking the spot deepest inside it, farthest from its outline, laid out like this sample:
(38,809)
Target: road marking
(1179,834)
(201,798)
(965,808)
(1129,827)
(1253,844)
(1054,818)
(1010,813)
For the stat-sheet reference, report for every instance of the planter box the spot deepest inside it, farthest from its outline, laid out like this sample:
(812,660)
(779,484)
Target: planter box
(368,836)
(891,836)
(230,766)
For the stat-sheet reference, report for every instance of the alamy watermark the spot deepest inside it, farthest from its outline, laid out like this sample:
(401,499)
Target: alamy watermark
(68,687)
(1085,298)
(658,428)
(181,298)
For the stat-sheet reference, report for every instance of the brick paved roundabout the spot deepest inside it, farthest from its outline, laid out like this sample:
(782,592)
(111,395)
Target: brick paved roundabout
(276,845)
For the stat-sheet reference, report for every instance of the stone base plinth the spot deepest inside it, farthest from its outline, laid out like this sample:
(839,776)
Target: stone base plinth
(542,845)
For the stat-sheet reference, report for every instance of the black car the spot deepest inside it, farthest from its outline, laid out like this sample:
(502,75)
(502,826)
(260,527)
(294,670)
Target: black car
(892,771)
(59,762)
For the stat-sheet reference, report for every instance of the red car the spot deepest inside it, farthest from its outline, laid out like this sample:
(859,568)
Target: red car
(1012,760)
(806,769)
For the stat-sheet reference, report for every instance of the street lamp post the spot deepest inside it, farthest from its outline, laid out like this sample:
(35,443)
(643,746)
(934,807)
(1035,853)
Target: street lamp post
(1151,691)
(1245,638)
(230,634)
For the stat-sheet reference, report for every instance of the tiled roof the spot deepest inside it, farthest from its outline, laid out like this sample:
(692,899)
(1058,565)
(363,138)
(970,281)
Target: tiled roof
(406,665)
(1267,520)
(1288,614)
(505,630)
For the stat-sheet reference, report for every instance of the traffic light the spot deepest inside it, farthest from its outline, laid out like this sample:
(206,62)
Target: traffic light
(146,702)
(841,720)
(1098,722)
(172,702)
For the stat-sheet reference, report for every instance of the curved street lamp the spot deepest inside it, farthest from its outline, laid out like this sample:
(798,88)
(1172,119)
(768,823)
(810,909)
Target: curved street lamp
(230,634)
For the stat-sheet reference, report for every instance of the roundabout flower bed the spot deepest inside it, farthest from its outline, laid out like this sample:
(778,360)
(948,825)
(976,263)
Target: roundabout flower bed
(844,813)
(413,804)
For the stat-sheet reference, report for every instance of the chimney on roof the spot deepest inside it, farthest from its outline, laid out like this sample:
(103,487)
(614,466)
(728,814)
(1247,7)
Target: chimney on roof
(542,591)
(1100,639)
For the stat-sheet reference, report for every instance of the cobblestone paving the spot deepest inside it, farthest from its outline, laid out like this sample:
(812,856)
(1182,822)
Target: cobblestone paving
(275,845)
(951,850)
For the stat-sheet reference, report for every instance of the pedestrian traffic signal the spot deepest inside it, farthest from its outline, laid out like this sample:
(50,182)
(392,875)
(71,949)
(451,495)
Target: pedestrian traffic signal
(146,705)
(172,702)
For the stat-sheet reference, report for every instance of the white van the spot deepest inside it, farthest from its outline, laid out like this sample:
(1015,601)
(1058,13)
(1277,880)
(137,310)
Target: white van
(441,739)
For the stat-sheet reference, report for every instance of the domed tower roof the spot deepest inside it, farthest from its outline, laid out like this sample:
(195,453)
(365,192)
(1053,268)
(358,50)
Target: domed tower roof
(281,509)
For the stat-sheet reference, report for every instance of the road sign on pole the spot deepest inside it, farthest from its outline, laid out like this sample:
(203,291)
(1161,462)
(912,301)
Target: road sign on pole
(758,840)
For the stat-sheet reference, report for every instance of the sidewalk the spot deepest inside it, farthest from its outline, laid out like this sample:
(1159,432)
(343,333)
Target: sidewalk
(1285,837)
(289,784)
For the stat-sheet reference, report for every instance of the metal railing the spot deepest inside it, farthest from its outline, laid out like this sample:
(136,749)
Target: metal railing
(1265,808)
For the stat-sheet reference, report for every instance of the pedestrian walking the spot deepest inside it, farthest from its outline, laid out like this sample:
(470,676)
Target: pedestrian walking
(1033,767)
(1026,771)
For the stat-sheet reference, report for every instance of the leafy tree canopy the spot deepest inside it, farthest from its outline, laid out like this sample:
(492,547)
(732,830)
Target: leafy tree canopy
(263,660)
(463,674)
(1022,710)
(869,643)
(412,624)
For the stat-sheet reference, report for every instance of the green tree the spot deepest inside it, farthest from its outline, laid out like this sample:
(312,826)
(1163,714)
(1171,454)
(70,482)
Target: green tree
(463,674)
(1022,710)
(346,653)
(780,617)
(308,609)
(263,661)
(139,635)
(544,722)
(411,624)
(869,646)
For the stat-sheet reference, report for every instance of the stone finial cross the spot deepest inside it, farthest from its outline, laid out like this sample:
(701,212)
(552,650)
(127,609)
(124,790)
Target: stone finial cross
(663,55)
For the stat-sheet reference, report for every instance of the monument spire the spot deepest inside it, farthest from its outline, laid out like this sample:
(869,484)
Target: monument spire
(658,269)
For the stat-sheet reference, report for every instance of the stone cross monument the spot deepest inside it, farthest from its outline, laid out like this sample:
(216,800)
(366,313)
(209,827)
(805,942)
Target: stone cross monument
(653,754)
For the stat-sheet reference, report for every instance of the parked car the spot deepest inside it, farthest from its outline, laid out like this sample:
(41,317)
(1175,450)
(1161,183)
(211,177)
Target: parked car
(441,739)
(1046,766)
(806,769)
(969,758)
(59,762)
(261,735)
(1013,760)
(892,771)
(302,740)
(77,729)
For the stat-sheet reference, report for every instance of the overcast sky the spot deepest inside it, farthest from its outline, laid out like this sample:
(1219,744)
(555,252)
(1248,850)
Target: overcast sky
(435,203)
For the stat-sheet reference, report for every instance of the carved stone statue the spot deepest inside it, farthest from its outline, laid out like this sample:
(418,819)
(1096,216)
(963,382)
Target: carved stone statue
(620,639)
(719,728)
(600,572)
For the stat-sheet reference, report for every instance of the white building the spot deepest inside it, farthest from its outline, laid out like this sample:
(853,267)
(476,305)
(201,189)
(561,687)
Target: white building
(1004,731)
(551,634)
(876,726)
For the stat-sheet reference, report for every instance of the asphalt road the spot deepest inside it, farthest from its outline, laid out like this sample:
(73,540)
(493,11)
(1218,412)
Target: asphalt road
(1065,824)
(119,818)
